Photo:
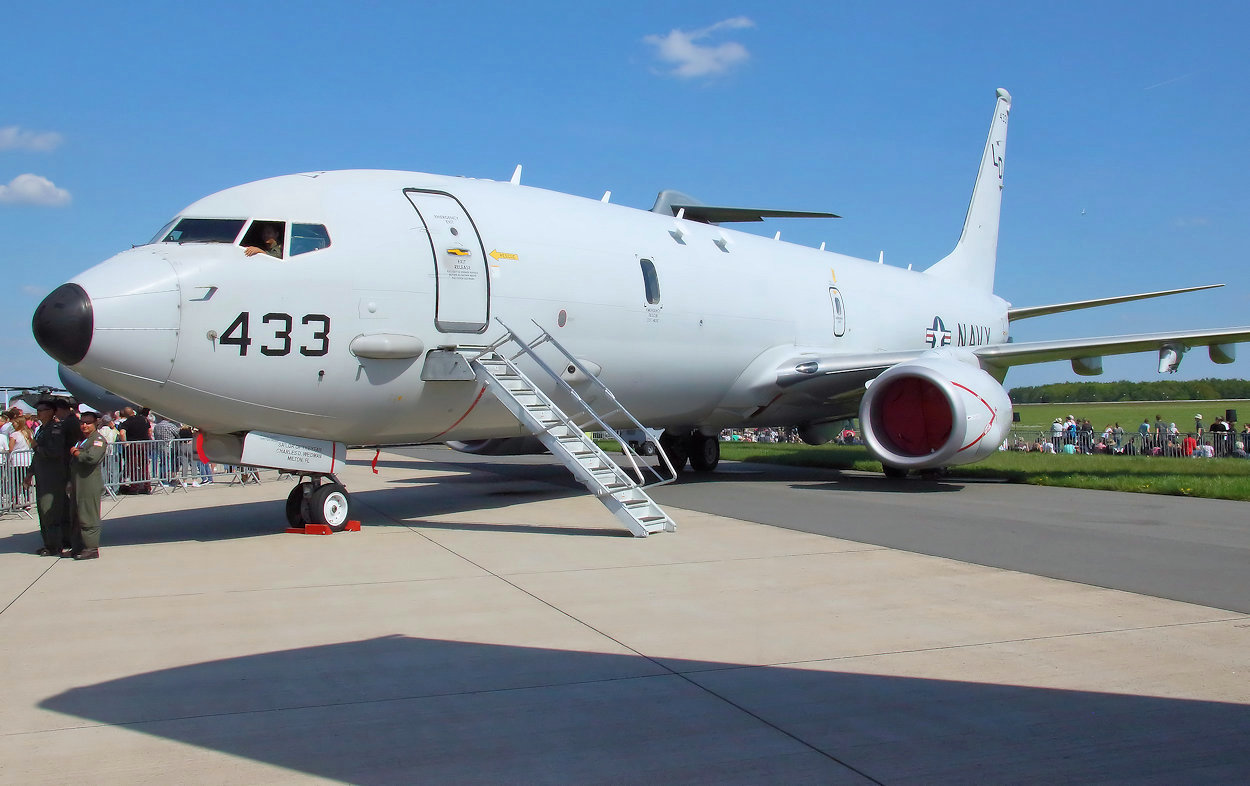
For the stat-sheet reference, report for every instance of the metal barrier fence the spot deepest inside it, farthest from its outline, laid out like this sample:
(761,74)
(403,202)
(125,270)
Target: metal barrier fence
(1182,444)
(153,466)
(14,496)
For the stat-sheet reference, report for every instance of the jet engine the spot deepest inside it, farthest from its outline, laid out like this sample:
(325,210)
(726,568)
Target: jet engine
(505,446)
(937,410)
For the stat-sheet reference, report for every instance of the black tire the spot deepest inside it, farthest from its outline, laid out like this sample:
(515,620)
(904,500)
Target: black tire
(704,452)
(675,449)
(648,448)
(296,505)
(330,506)
(893,473)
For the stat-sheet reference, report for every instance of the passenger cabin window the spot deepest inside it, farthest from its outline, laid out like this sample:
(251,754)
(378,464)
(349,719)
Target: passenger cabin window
(265,237)
(204,230)
(308,237)
(650,282)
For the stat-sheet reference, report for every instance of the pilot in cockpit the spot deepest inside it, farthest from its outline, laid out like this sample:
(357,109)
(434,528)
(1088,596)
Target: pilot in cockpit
(271,243)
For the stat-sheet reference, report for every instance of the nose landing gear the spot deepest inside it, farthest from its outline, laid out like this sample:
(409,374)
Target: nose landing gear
(320,500)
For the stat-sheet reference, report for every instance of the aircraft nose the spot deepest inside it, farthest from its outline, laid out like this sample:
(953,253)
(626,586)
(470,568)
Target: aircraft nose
(64,323)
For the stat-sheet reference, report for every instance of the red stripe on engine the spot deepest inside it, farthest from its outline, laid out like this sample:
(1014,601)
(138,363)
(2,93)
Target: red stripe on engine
(988,426)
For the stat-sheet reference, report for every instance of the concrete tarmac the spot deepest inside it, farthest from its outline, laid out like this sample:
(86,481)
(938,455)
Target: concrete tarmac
(497,626)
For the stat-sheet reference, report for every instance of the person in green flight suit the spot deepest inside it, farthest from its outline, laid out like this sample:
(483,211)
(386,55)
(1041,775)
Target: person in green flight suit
(49,471)
(88,484)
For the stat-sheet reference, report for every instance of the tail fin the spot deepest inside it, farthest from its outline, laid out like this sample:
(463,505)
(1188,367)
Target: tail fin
(974,256)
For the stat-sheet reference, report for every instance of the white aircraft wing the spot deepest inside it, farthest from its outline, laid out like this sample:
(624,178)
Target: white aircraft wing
(828,376)
(1026,312)
(1007,355)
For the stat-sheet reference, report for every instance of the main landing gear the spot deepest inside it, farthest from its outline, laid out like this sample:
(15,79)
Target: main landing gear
(701,450)
(321,499)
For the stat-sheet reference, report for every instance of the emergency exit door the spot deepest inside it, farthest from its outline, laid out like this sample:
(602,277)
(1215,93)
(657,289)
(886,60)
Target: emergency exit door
(839,312)
(462,290)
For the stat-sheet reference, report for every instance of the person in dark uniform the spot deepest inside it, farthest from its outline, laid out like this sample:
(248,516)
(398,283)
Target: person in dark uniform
(136,428)
(87,478)
(49,470)
(67,416)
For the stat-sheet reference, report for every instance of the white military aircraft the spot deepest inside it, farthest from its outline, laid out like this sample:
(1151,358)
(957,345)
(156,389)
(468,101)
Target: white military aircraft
(289,317)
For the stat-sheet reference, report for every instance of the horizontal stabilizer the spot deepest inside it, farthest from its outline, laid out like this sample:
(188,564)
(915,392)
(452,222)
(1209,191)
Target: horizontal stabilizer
(1076,305)
(670,202)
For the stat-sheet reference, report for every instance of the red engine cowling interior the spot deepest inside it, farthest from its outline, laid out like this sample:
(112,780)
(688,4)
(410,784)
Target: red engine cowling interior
(935,411)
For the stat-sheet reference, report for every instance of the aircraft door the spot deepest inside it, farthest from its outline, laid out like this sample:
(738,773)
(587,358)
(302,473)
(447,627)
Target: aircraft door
(839,312)
(463,286)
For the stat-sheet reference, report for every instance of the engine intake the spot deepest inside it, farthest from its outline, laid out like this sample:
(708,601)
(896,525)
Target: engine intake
(938,410)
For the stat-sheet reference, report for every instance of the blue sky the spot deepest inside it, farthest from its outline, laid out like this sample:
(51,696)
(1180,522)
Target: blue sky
(1126,158)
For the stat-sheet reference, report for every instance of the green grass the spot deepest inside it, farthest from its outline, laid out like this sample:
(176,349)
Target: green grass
(1130,416)
(1226,478)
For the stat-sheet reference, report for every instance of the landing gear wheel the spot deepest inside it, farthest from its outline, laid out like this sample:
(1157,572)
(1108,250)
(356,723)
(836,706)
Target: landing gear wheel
(296,505)
(329,506)
(675,449)
(894,473)
(704,452)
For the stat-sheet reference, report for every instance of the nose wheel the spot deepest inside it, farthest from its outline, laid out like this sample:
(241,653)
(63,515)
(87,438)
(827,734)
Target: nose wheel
(320,500)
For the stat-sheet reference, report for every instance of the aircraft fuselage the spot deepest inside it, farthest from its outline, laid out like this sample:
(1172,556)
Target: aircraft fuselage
(208,335)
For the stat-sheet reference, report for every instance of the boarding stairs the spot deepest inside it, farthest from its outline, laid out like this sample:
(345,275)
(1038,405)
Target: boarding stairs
(496,367)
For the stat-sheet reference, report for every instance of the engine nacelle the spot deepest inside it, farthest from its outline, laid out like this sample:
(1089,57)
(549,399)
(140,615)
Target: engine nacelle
(503,446)
(937,410)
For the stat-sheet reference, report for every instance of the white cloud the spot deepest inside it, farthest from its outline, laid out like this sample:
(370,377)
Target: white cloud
(33,190)
(691,57)
(1191,222)
(15,138)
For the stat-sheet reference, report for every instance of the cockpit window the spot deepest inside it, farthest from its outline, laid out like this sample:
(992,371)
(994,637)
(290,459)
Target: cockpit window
(160,236)
(204,230)
(265,237)
(308,237)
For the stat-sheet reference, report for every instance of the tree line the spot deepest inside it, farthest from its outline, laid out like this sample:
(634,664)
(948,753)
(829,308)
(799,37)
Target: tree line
(1166,390)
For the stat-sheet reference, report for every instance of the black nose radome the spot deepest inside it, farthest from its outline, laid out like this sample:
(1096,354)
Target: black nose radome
(63,324)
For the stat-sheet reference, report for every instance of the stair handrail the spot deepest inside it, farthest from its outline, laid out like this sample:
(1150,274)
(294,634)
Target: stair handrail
(563,417)
(528,349)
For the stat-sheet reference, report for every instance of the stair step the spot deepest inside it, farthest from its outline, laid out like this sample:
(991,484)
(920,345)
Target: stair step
(561,432)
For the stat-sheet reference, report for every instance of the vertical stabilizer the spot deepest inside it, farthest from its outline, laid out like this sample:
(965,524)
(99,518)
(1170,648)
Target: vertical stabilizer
(973,259)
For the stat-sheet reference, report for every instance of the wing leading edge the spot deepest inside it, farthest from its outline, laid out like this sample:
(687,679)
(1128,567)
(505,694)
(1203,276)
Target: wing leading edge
(819,375)
(1026,312)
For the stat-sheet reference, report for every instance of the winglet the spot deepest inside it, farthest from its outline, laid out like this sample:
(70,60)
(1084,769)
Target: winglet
(973,259)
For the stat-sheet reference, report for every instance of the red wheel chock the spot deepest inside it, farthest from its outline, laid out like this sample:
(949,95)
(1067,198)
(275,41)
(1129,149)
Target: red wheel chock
(321,529)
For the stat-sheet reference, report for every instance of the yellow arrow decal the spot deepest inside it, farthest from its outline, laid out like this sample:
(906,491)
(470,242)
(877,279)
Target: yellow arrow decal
(501,255)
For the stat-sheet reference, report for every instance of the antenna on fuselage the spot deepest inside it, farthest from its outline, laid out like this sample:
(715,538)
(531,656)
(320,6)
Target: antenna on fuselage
(607,195)
(516,176)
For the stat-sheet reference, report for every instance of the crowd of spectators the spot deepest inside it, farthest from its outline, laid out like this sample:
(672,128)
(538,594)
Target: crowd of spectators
(1150,438)
(145,453)
(780,434)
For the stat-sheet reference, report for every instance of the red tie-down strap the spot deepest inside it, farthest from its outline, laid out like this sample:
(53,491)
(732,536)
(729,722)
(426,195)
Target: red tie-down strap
(374,464)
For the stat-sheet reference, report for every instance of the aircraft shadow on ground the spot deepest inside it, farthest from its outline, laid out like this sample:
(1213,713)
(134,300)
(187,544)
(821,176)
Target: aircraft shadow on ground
(477,484)
(544,469)
(401,709)
(400,505)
